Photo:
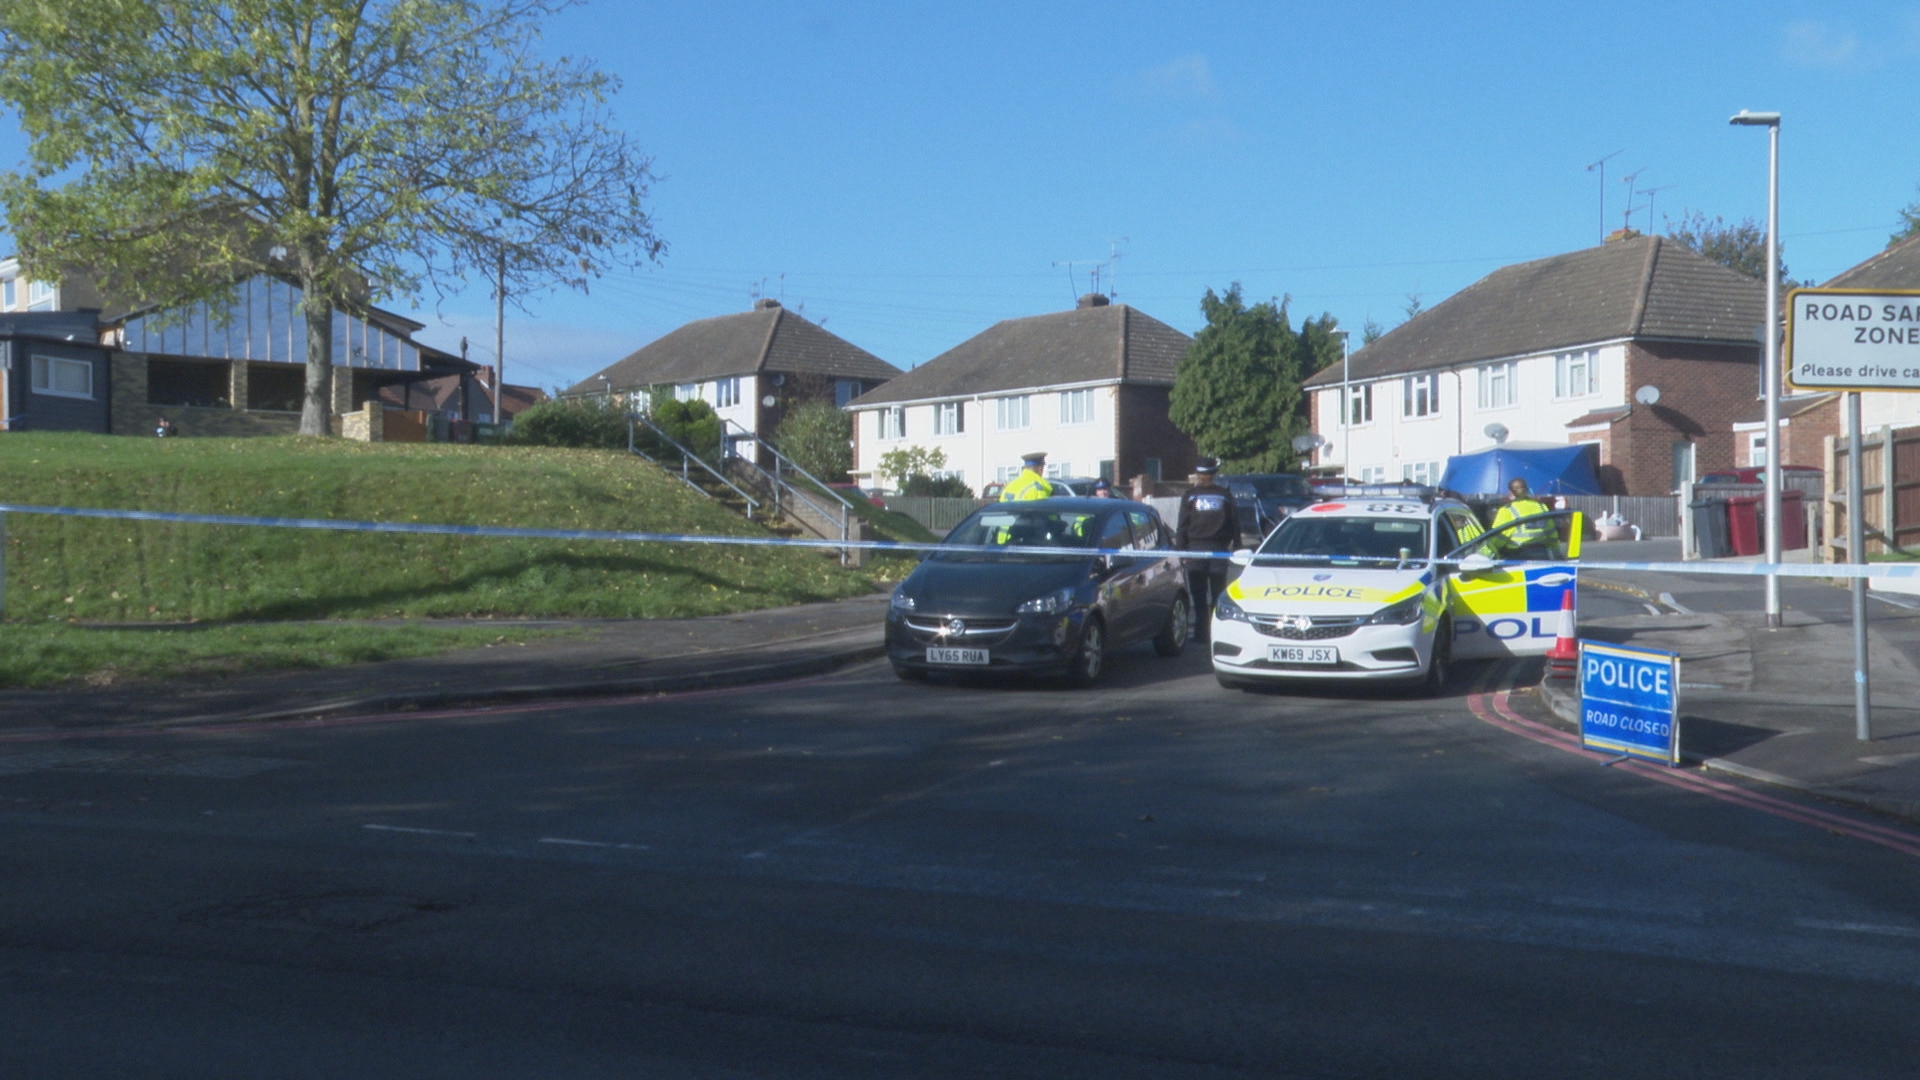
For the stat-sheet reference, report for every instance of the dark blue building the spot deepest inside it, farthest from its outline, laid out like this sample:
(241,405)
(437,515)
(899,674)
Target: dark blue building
(54,373)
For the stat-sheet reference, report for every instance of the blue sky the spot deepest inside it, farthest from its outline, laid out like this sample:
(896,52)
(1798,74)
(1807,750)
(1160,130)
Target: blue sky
(912,175)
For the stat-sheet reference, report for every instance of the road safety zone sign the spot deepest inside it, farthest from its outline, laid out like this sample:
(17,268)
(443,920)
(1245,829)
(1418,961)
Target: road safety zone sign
(1630,701)
(1853,339)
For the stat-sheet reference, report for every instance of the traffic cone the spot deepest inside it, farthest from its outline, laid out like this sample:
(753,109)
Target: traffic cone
(1563,660)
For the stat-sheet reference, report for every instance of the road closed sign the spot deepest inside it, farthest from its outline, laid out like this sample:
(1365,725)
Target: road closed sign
(1853,340)
(1630,701)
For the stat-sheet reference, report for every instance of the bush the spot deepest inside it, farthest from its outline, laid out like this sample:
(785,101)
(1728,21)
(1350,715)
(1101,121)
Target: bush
(587,423)
(692,424)
(816,436)
(945,487)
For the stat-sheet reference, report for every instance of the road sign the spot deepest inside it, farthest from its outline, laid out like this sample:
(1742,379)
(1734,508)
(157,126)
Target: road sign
(1630,701)
(1848,339)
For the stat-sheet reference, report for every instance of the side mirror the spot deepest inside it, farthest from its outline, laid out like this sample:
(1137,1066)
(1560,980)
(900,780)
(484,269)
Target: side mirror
(1242,557)
(1477,563)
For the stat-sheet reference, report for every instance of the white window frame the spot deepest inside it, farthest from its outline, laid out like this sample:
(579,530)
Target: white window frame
(892,423)
(949,418)
(1419,472)
(1756,449)
(1013,413)
(1059,469)
(1076,407)
(7,296)
(1372,474)
(42,296)
(1420,396)
(726,392)
(686,391)
(1568,367)
(43,378)
(1499,385)
(1358,410)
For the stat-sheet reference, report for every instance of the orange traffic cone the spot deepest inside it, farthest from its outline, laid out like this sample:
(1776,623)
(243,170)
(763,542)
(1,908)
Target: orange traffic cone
(1563,660)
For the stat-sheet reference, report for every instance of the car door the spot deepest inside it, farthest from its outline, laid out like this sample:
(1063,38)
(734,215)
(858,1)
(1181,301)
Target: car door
(1162,578)
(1123,589)
(1510,610)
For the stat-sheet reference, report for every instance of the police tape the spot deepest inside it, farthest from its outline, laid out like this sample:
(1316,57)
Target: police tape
(1742,569)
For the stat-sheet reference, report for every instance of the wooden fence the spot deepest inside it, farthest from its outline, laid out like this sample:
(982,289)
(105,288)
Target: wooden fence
(1889,499)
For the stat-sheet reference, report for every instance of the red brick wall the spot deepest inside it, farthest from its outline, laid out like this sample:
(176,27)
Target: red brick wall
(1144,431)
(1704,389)
(1803,436)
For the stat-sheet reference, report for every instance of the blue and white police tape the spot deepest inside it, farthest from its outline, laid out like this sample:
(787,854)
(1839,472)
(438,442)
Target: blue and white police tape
(1741,569)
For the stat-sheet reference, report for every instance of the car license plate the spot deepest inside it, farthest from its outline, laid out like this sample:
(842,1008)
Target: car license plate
(956,656)
(1299,654)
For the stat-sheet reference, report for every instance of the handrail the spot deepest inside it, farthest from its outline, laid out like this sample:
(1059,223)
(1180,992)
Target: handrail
(779,485)
(784,459)
(687,455)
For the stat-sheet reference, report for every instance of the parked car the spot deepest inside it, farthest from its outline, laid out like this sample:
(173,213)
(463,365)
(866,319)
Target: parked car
(1046,613)
(851,492)
(1063,487)
(1264,500)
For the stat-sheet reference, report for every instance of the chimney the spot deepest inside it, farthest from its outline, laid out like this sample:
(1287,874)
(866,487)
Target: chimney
(1092,300)
(764,303)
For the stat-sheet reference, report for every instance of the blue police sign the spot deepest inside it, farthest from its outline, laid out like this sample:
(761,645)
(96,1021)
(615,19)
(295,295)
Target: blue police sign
(1630,701)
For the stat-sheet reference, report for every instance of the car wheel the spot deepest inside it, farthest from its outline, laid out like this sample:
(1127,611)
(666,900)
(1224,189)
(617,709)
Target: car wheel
(1440,664)
(1172,638)
(909,674)
(1091,657)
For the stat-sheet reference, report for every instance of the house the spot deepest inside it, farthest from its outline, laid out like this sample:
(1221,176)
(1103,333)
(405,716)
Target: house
(54,373)
(1639,346)
(458,399)
(1089,386)
(751,367)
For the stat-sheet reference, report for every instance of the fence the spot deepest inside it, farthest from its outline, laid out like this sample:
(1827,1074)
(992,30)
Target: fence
(1657,515)
(937,514)
(1889,502)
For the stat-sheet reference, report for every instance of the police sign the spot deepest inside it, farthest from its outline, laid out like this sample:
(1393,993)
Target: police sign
(1630,701)
(1842,339)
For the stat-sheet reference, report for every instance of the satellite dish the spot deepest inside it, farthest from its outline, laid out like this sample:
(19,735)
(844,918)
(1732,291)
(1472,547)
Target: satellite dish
(769,401)
(1308,443)
(1497,432)
(1647,395)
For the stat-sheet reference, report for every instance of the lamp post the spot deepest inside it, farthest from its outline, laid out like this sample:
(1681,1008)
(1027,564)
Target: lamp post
(1346,408)
(1771,121)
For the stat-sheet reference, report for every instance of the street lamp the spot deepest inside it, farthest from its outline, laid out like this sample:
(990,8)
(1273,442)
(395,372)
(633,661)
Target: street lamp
(1771,121)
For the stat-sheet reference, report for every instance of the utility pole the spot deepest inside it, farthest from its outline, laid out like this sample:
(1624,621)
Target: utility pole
(500,340)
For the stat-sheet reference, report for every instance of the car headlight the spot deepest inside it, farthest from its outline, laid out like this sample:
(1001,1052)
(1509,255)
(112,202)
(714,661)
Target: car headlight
(1401,614)
(1051,604)
(903,602)
(1225,608)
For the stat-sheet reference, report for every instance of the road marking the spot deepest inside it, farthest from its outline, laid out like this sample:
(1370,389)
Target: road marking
(1492,707)
(1667,599)
(422,832)
(1859,928)
(592,843)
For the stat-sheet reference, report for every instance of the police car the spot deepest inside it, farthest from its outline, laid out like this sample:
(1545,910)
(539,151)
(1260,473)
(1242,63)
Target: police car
(1392,583)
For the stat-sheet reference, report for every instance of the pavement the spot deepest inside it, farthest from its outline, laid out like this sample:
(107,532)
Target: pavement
(1773,706)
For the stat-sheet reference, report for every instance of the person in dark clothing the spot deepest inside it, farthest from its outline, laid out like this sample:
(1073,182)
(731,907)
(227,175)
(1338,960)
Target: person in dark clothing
(1207,523)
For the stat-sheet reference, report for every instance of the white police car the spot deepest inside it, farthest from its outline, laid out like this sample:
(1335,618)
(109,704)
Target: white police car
(1391,583)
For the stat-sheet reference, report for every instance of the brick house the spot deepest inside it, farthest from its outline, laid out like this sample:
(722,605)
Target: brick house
(1639,346)
(751,367)
(1090,386)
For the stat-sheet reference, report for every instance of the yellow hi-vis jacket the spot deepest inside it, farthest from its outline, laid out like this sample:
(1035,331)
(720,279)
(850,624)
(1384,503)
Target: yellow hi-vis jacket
(1533,532)
(1028,485)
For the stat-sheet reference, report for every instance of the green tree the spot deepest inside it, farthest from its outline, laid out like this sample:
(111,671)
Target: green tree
(597,423)
(1741,247)
(360,148)
(907,462)
(1909,223)
(815,435)
(1237,393)
(693,424)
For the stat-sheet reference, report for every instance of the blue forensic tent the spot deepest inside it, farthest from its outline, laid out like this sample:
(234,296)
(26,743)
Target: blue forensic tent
(1548,469)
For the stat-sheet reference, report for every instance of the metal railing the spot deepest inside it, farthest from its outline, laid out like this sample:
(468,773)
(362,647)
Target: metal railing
(780,486)
(687,459)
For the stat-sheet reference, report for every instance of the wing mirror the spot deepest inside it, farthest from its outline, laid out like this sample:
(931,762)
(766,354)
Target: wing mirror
(1477,563)
(1242,557)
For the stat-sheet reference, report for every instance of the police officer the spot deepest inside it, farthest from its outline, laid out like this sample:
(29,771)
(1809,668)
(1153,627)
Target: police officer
(1031,483)
(1529,539)
(1207,523)
(1103,488)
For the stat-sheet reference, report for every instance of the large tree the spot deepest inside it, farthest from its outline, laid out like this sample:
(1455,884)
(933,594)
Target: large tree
(1741,246)
(361,148)
(1909,223)
(1237,394)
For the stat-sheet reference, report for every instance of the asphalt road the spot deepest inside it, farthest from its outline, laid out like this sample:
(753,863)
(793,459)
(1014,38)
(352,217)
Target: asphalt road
(854,876)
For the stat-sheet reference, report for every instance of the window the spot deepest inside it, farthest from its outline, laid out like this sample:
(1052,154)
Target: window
(1076,407)
(845,390)
(686,391)
(1576,374)
(1359,408)
(62,378)
(6,297)
(1151,469)
(1498,387)
(893,423)
(1058,469)
(726,392)
(949,418)
(1372,474)
(184,382)
(1011,413)
(1420,395)
(1421,472)
(40,296)
(1006,472)
(1756,449)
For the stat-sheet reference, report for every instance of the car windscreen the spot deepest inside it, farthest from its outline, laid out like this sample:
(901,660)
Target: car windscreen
(1006,526)
(1303,538)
